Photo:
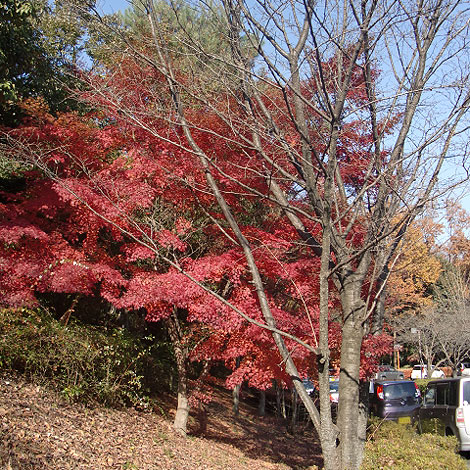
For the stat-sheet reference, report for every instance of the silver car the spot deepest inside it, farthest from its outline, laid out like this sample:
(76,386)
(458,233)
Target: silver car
(446,409)
(386,372)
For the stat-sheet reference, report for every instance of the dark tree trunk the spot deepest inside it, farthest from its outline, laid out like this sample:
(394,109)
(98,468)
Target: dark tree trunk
(293,422)
(262,403)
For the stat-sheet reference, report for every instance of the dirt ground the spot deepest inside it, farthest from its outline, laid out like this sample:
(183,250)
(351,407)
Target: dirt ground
(40,431)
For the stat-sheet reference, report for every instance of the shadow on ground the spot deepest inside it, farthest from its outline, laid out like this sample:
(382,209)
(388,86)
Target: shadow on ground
(266,438)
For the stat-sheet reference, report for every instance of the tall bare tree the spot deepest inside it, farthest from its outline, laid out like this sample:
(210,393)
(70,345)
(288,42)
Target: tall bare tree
(441,331)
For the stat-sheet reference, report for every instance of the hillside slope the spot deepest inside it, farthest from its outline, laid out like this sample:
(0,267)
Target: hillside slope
(40,431)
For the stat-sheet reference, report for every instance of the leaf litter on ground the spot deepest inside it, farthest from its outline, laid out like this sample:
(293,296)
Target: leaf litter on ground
(41,431)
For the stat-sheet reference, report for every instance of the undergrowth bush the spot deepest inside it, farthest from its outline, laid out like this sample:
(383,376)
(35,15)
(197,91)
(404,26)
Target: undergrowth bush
(394,446)
(85,363)
(422,384)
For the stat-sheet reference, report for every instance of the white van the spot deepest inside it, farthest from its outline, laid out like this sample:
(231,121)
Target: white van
(446,409)
(421,372)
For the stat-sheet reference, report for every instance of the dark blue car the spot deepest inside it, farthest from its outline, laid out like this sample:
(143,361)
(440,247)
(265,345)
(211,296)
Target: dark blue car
(397,400)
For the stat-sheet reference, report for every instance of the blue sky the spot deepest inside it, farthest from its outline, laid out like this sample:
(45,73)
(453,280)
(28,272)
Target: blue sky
(111,6)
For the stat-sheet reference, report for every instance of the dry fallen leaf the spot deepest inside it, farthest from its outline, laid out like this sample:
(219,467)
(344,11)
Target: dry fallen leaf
(101,438)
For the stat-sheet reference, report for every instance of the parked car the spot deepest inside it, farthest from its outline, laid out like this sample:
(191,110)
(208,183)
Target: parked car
(387,372)
(309,386)
(437,373)
(446,409)
(421,372)
(464,368)
(334,390)
(397,400)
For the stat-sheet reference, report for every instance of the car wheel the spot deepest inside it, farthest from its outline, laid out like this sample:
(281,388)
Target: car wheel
(449,432)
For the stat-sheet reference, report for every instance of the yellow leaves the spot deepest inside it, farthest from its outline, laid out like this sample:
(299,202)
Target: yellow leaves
(416,268)
(35,107)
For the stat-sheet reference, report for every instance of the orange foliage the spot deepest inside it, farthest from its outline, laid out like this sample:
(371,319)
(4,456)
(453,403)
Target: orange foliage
(416,269)
(458,247)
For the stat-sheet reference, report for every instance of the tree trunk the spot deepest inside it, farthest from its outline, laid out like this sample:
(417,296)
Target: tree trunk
(329,431)
(262,403)
(278,398)
(202,418)
(349,422)
(379,315)
(236,393)
(294,398)
(236,399)
(180,422)
(281,402)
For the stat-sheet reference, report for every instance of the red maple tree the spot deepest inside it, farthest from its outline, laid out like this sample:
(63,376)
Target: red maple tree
(125,213)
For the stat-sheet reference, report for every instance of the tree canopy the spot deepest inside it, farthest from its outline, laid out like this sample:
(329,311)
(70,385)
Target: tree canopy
(39,45)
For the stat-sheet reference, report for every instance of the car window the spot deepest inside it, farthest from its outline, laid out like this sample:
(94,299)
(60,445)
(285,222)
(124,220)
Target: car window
(403,390)
(334,386)
(441,394)
(466,392)
(430,396)
(453,394)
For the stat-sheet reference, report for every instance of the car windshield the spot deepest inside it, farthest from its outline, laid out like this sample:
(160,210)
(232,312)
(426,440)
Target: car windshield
(401,390)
